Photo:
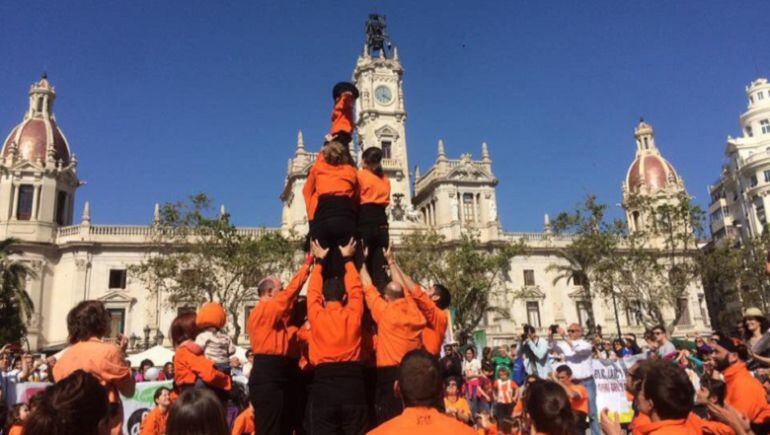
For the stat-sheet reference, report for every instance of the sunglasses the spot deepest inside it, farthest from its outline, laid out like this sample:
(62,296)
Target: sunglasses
(573,330)
(657,333)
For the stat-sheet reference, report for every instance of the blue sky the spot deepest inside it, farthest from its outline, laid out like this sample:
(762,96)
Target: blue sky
(160,100)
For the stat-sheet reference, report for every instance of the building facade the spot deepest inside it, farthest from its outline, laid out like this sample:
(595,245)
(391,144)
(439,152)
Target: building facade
(739,198)
(80,260)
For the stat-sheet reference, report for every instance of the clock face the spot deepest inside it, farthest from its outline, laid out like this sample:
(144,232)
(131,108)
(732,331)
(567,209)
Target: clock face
(383,94)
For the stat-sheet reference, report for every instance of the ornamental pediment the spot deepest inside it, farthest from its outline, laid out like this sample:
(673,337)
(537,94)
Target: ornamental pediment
(117,297)
(386,131)
(529,292)
(468,173)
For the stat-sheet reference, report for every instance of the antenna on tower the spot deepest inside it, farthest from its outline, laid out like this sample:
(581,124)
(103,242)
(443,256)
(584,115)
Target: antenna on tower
(377,38)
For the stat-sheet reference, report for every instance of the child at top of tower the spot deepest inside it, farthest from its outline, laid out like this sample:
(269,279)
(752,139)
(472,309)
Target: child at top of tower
(215,344)
(343,122)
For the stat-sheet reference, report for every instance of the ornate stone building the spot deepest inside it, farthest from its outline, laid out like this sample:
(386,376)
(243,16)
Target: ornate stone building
(76,261)
(739,199)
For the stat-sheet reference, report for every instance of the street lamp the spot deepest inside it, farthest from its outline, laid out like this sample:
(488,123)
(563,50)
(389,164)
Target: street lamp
(132,340)
(147,336)
(159,338)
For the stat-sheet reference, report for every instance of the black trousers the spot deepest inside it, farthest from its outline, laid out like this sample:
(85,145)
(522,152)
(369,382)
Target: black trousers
(270,395)
(386,404)
(337,404)
(334,224)
(376,238)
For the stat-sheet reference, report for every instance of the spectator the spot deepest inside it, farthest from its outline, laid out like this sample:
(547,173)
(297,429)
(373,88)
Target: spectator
(86,324)
(632,344)
(155,421)
(143,367)
(702,350)
(620,348)
(664,347)
(198,411)
(454,404)
(451,364)
(577,394)
(167,374)
(534,351)
(549,408)
(189,364)
(486,356)
(503,359)
(16,419)
(757,338)
(244,423)
(5,377)
(76,404)
(505,392)
(578,357)
(471,373)
(665,397)
(249,361)
(419,386)
(744,392)
(235,366)
(486,391)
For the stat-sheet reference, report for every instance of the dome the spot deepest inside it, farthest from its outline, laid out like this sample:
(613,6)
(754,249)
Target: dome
(38,133)
(649,171)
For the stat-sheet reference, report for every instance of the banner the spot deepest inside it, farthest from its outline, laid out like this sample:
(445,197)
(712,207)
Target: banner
(137,406)
(20,393)
(610,378)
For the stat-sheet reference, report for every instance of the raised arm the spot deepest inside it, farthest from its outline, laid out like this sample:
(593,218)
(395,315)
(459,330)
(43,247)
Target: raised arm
(315,288)
(285,298)
(354,289)
(374,301)
(396,274)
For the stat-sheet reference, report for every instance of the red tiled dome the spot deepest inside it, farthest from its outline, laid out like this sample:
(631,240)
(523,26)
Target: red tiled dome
(38,131)
(651,170)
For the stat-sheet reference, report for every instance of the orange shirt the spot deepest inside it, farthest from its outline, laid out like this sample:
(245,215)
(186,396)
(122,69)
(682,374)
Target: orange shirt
(711,427)
(665,427)
(414,421)
(580,403)
(399,326)
(190,364)
(437,319)
(335,330)
(267,321)
(372,188)
(342,115)
(460,406)
(155,422)
(491,430)
(745,393)
(16,429)
(105,361)
(327,179)
(303,339)
(244,423)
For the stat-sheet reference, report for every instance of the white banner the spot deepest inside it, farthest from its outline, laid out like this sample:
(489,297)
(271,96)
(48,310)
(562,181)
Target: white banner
(610,378)
(136,407)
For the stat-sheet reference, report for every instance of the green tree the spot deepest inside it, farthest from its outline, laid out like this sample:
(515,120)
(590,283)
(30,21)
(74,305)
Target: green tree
(200,256)
(659,260)
(474,273)
(586,259)
(16,306)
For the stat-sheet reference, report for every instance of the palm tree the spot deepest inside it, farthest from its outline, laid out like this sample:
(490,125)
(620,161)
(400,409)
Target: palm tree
(578,267)
(16,306)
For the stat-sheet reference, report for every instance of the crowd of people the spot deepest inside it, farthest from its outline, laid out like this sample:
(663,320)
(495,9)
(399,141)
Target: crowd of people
(364,352)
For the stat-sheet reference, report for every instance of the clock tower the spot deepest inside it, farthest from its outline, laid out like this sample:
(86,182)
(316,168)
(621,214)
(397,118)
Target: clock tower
(381,122)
